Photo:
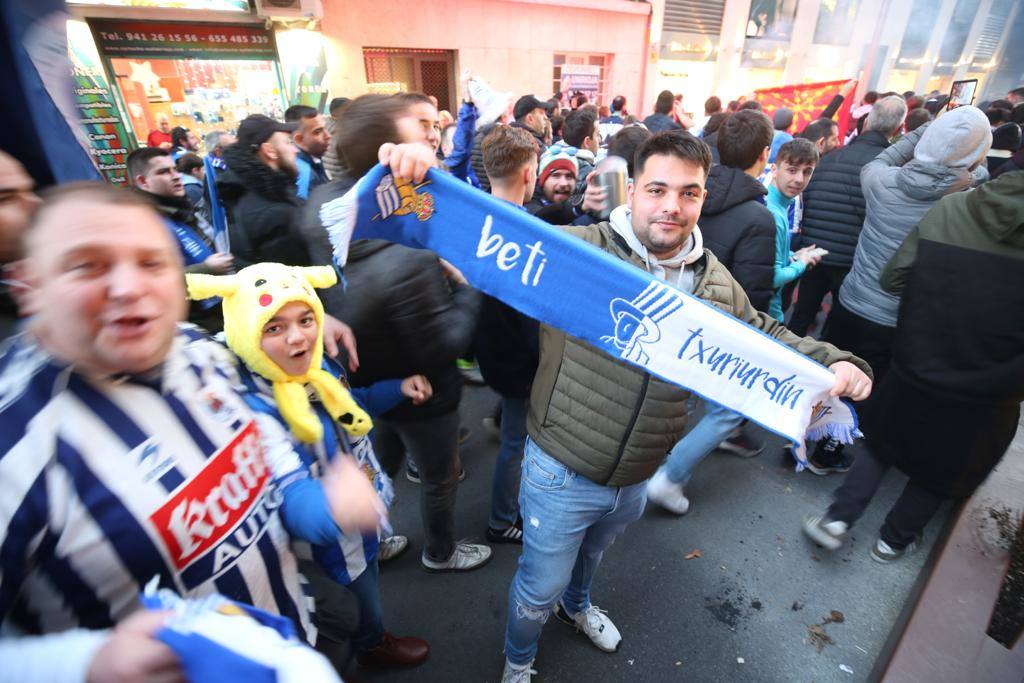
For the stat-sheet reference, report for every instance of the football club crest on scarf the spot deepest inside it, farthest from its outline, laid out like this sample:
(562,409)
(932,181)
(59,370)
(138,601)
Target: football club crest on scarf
(562,281)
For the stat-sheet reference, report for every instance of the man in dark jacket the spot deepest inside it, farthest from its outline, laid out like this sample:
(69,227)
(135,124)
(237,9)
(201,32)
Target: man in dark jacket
(834,209)
(156,178)
(405,314)
(258,191)
(581,130)
(948,409)
(662,119)
(506,340)
(531,115)
(739,230)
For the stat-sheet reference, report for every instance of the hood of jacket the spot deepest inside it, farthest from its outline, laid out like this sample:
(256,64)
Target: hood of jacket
(998,208)
(247,173)
(958,139)
(728,187)
(927,182)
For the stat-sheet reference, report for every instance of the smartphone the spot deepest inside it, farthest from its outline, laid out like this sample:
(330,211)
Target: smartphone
(962,93)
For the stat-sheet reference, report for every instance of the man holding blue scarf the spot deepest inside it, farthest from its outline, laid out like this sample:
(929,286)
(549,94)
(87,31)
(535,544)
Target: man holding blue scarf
(599,426)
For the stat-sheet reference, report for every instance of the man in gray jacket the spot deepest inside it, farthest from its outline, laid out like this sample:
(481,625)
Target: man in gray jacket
(900,185)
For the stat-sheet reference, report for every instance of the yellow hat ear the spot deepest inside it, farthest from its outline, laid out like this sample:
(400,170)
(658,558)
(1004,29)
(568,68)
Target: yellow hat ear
(206,286)
(320,277)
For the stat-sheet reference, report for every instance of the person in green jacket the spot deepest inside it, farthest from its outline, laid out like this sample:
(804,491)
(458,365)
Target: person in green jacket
(794,165)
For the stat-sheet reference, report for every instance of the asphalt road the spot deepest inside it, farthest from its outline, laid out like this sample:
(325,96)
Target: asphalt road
(754,606)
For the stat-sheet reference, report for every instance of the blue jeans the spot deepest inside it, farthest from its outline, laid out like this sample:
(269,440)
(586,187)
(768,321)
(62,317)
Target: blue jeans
(366,588)
(568,523)
(505,487)
(717,424)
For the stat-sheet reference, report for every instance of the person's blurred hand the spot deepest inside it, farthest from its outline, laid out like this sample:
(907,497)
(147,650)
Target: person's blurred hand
(354,505)
(336,331)
(407,161)
(452,273)
(221,262)
(850,381)
(132,653)
(594,196)
(417,388)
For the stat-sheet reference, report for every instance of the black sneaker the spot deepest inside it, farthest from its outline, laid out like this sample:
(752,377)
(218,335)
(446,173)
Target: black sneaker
(828,458)
(510,534)
(742,444)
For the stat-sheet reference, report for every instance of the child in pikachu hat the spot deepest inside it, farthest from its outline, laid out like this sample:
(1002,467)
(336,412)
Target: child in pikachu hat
(273,322)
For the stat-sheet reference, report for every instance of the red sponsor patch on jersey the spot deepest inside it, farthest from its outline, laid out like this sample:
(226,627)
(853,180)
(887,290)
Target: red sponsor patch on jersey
(211,504)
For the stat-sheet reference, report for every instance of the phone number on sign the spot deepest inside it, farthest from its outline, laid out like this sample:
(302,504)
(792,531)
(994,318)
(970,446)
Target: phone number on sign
(193,38)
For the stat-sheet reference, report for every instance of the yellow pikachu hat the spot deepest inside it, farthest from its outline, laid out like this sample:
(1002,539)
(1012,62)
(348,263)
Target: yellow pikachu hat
(251,298)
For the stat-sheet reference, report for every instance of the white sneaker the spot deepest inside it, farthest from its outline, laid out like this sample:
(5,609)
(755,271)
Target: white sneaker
(594,622)
(465,557)
(391,547)
(517,674)
(667,493)
(829,534)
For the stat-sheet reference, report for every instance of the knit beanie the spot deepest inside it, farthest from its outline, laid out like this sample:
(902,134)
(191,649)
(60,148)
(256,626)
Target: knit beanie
(253,296)
(556,158)
(960,138)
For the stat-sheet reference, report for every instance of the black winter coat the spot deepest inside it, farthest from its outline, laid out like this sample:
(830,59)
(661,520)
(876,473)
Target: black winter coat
(263,212)
(408,320)
(507,348)
(740,231)
(476,157)
(657,123)
(834,202)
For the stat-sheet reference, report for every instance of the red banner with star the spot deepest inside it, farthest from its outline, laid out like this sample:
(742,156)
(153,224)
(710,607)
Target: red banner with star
(807,102)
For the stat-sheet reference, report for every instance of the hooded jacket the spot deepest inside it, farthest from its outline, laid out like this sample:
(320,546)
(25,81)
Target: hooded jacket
(834,202)
(937,159)
(950,406)
(263,212)
(740,231)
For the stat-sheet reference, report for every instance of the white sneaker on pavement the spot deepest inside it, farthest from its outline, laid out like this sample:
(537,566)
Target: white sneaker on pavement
(391,547)
(667,493)
(517,674)
(827,533)
(594,622)
(465,557)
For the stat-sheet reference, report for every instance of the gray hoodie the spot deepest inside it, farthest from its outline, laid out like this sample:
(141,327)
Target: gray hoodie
(900,185)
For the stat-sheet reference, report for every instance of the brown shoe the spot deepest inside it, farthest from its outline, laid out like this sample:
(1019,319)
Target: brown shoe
(394,652)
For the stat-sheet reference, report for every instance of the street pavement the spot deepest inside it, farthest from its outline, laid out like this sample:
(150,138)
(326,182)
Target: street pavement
(759,603)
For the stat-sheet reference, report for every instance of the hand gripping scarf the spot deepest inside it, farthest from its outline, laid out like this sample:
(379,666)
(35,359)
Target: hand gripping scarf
(626,312)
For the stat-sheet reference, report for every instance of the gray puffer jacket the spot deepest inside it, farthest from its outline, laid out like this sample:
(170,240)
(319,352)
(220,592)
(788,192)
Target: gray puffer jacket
(899,186)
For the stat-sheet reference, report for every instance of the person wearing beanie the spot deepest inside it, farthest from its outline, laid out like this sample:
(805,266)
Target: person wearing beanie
(782,121)
(556,177)
(1006,139)
(273,322)
(900,185)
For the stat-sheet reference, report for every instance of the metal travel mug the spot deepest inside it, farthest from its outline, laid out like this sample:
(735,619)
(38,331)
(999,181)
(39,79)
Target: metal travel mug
(611,175)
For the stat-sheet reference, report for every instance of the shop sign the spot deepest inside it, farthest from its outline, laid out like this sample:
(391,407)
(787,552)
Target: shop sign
(304,64)
(107,139)
(582,78)
(175,40)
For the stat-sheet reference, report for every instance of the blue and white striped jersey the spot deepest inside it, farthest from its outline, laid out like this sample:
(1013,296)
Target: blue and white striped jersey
(108,482)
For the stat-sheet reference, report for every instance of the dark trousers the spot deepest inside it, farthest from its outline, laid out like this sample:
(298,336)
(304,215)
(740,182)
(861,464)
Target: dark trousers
(814,285)
(867,340)
(433,444)
(907,517)
(337,615)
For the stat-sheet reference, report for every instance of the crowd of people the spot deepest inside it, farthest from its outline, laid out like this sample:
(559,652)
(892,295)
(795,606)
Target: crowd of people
(234,454)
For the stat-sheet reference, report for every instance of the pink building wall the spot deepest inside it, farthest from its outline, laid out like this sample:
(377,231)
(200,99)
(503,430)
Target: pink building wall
(510,43)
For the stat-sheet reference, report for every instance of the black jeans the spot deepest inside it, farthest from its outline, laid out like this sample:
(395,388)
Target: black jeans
(907,517)
(861,337)
(814,285)
(433,444)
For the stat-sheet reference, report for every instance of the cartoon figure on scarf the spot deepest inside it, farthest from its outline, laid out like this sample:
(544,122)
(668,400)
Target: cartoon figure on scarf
(273,322)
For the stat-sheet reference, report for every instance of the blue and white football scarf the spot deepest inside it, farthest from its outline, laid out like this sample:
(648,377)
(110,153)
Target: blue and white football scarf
(564,282)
